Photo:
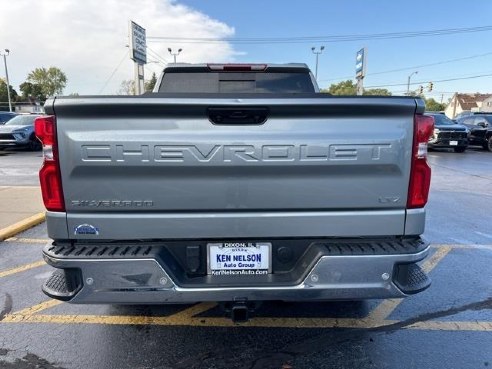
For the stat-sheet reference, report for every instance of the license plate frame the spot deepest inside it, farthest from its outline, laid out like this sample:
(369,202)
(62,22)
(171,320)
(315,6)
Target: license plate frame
(240,248)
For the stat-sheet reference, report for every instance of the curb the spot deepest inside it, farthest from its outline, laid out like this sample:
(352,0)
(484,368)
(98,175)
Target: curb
(24,224)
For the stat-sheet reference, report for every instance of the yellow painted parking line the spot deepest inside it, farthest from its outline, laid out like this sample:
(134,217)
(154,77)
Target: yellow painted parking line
(435,325)
(481,326)
(194,310)
(432,262)
(28,240)
(18,315)
(386,308)
(174,320)
(22,268)
(185,317)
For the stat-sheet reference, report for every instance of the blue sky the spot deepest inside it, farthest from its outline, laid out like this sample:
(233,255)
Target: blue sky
(278,18)
(87,39)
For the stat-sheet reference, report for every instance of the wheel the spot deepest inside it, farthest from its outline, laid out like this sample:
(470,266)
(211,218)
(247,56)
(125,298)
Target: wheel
(34,144)
(460,149)
(488,146)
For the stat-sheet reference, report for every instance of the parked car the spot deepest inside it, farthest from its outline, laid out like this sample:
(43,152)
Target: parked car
(448,134)
(5,116)
(464,113)
(19,131)
(480,126)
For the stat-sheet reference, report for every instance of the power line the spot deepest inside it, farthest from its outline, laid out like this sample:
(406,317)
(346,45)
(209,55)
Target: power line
(332,38)
(114,72)
(414,67)
(156,55)
(434,81)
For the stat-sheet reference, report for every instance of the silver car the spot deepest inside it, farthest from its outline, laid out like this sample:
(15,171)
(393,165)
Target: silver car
(19,131)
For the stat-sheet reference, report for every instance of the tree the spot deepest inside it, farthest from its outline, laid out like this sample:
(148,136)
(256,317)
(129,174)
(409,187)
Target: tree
(30,90)
(4,98)
(149,85)
(51,81)
(127,87)
(433,105)
(377,92)
(348,87)
(342,88)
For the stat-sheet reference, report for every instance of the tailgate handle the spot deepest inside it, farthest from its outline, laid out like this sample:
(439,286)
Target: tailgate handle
(237,115)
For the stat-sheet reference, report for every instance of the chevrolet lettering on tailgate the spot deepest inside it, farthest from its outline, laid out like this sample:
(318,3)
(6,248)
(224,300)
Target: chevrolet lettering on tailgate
(231,153)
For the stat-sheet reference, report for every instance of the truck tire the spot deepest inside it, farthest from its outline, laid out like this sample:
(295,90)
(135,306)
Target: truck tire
(488,145)
(34,144)
(460,149)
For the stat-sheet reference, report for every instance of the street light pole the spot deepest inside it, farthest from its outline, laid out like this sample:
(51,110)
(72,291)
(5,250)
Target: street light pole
(4,54)
(408,81)
(317,53)
(174,54)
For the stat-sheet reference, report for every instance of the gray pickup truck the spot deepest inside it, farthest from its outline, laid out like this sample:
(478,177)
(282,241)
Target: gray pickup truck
(234,183)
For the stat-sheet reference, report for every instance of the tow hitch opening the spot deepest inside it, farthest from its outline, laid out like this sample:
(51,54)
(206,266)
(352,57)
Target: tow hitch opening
(240,311)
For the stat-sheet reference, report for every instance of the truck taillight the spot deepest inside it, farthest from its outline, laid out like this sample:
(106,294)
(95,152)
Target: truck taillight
(420,174)
(49,174)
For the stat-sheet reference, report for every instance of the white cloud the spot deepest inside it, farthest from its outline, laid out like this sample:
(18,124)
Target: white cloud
(86,39)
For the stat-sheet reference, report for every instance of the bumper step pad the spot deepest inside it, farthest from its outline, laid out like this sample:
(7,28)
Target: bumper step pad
(411,279)
(63,284)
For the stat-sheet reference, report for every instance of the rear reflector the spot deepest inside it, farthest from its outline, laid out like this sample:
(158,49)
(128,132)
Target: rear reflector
(237,67)
(420,175)
(49,174)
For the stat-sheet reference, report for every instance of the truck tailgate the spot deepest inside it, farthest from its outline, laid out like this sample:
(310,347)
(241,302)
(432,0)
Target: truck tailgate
(158,167)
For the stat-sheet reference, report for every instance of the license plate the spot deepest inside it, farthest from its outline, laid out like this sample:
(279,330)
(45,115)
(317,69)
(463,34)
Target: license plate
(453,143)
(239,258)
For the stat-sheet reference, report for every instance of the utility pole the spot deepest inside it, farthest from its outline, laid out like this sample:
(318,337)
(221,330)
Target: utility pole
(408,81)
(4,54)
(317,53)
(174,54)
(455,103)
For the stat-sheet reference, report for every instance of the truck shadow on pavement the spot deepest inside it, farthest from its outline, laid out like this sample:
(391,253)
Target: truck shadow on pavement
(276,309)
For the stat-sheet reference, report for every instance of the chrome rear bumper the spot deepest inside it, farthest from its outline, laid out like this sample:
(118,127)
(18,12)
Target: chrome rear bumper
(145,281)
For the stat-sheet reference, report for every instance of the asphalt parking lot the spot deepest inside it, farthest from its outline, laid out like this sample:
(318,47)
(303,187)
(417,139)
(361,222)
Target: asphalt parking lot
(447,326)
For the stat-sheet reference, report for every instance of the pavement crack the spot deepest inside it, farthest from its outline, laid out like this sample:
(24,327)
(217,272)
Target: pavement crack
(342,336)
(272,360)
(29,361)
(479,305)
